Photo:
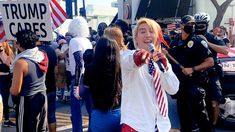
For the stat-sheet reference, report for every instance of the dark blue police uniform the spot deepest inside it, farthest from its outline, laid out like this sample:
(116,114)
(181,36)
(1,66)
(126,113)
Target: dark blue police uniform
(214,88)
(190,97)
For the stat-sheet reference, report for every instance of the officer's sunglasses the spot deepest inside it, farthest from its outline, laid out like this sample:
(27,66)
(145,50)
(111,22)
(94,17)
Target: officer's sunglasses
(200,25)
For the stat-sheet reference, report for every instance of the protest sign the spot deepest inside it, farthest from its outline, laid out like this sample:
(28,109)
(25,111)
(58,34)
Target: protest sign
(33,15)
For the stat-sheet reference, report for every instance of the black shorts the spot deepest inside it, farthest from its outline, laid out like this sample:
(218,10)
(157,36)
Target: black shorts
(214,90)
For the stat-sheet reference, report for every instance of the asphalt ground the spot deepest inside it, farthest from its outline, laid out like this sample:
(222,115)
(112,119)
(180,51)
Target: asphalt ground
(64,122)
(62,116)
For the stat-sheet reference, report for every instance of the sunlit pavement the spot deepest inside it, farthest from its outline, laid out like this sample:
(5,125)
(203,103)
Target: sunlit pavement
(64,122)
(62,117)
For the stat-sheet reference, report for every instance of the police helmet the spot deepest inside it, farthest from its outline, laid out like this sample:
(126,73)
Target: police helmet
(202,17)
(187,19)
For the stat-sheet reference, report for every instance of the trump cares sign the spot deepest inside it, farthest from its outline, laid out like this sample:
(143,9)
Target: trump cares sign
(33,15)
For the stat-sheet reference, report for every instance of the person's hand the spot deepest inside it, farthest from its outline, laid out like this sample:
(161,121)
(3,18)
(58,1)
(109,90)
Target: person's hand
(141,57)
(76,91)
(157,56)
(162,59)
(187,71)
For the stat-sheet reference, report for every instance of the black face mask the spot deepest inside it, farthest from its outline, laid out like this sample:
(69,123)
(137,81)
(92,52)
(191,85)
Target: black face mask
(188,29)
(200,32)
(201,29)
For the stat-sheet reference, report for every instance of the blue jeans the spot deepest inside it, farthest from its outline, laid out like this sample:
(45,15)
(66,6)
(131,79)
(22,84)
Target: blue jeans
(105,121)
(76,105)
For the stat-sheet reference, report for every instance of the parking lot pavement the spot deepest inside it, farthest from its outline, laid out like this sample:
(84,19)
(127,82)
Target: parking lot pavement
(62,116)
(64,122)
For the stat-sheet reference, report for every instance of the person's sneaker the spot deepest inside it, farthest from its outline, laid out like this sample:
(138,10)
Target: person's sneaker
(8,124)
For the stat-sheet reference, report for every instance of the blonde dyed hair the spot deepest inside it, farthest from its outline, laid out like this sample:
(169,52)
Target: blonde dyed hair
(7,49)
(116,34)
(153,25)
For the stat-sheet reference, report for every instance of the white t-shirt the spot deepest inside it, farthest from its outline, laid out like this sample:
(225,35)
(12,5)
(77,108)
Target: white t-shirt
(139,106)
(66,59)
(77,44)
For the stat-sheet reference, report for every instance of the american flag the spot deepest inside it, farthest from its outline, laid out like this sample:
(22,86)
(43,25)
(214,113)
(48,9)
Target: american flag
(2,36)
(2,32)
(58,16)
(231,53)
(159,93)
(173,26)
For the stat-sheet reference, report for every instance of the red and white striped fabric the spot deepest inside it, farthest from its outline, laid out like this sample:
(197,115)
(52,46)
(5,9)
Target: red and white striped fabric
(171,26)
(231,53)
(58,15)
(3,37)
(159,93)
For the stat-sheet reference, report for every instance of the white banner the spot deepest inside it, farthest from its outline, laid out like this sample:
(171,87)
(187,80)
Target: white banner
(33,15)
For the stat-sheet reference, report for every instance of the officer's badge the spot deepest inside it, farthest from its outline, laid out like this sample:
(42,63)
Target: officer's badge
(190,44)
(204,43)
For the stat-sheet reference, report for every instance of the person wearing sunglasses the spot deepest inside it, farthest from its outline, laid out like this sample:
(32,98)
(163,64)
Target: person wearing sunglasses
(213,90)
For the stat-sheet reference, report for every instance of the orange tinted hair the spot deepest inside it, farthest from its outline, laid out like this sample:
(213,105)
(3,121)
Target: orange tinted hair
(7,49)
(117,35)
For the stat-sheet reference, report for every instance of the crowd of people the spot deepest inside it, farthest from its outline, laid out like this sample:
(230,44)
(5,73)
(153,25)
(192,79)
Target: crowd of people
(128,81)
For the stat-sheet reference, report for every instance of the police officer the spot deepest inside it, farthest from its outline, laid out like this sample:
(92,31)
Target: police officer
(213,90)
(192,53)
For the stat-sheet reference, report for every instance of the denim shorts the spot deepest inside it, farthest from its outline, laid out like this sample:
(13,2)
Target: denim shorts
(105,121)
(173,113)
(51,97)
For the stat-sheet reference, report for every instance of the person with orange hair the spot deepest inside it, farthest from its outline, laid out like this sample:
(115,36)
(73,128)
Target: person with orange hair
(117,35)
(6,59)
(147,77)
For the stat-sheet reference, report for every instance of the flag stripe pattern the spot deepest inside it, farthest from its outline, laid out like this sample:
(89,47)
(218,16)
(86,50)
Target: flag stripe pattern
(171,26)
(3,36)
(231,53)
(159,93)
(58,15)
